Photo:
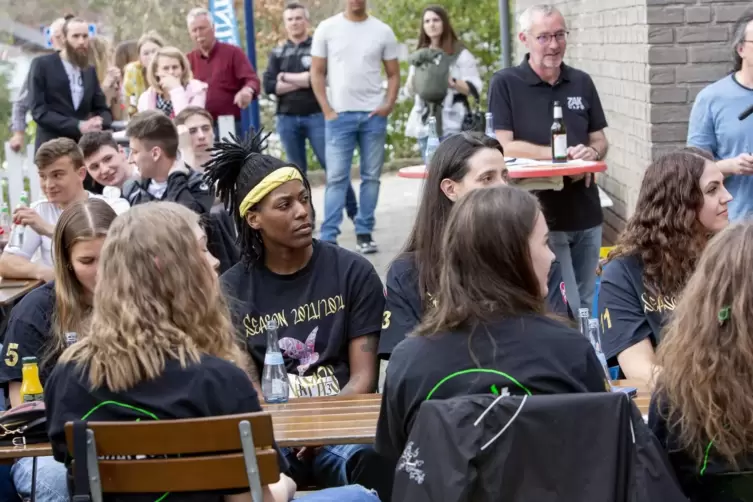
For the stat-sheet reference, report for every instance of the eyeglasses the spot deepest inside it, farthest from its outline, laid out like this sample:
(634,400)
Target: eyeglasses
(546,38)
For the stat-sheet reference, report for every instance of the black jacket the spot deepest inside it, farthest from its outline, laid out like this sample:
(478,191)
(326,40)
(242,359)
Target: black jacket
(291,58)
(555,448)
(184,186)
(51,102)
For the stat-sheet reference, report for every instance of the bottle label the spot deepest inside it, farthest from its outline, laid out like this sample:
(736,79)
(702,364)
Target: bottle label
(27,398)
(559,141)
(273,358)
(557,112)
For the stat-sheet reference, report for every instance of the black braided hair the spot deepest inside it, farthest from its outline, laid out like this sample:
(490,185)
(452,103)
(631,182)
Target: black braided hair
(236,167)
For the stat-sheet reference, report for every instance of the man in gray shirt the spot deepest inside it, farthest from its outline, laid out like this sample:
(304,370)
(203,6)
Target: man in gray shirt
(349,50)
(21,104)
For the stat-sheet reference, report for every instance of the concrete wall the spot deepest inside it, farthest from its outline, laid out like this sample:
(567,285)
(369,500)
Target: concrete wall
(649,59)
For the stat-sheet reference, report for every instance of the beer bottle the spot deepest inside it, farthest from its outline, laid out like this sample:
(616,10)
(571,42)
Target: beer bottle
(31,386)
(559,135)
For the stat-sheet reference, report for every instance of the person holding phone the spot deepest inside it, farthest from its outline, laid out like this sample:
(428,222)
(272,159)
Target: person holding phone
(171,84)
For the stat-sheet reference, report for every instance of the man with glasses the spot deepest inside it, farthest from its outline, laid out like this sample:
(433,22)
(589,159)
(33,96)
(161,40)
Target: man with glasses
(521,99)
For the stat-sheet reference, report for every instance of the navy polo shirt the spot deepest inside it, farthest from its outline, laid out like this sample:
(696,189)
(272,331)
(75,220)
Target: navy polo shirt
(523,103)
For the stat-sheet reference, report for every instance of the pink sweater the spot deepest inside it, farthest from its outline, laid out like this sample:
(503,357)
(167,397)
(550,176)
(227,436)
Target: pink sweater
(194,94)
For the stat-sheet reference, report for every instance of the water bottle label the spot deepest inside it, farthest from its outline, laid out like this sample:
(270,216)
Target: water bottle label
(273,358)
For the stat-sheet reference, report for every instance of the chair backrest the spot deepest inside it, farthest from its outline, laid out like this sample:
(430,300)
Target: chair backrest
(200,454)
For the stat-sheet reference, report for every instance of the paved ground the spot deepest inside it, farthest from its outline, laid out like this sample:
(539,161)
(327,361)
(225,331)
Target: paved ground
(395,213)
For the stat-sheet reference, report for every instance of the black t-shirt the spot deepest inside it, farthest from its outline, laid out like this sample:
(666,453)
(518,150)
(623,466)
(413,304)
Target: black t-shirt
(628,313)
(213,387)
(403,309)
(28,334)
(531,354)
(334,299)
(692,475)
(523,103)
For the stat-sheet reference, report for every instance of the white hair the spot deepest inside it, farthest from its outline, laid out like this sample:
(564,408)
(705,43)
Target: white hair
(56,27)
(526,18)
(199,12)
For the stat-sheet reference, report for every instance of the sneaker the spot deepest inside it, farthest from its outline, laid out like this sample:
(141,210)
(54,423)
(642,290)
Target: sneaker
(365,244)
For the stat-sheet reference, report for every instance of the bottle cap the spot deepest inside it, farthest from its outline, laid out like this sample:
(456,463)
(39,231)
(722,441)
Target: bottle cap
(29,360)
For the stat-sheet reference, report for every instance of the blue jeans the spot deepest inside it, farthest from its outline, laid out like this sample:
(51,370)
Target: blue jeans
(342,465)
(578,254)
(293,131)
(351,493)
(369,134)
(52,483)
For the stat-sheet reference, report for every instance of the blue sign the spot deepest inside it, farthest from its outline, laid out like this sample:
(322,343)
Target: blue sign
(48,34)
(225,22)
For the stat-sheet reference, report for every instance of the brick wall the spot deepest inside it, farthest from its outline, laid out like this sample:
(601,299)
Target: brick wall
(648,59)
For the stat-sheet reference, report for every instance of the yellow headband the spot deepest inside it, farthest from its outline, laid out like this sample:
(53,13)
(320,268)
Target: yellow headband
(269,183)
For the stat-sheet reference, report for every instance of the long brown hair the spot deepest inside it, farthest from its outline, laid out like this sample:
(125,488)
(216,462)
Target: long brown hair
(126,52)
(664,232)
(157,299)
(706,354)
(450,161)
(448,40)
(82,221)
(485,270)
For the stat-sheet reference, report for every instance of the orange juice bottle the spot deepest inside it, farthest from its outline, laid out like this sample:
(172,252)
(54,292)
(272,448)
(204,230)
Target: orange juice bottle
(31,386)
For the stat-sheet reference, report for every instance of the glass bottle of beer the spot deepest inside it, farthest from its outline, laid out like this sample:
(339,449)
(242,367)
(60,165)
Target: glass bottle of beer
(559,135)
(31,386)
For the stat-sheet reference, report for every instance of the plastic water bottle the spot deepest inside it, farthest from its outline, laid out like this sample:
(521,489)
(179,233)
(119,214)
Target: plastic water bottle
(583,316)
(432,141)
(4,221)
(490,125)
(594,336)
(17,231)
(274,382)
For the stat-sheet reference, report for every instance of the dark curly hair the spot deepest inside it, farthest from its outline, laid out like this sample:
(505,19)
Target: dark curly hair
(664,232)
(237,166)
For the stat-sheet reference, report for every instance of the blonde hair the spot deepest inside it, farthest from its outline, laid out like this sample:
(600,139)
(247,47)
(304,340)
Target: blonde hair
(157,298)
(706,354)
(168,52)
(100,56)
(82,221)
(149,36)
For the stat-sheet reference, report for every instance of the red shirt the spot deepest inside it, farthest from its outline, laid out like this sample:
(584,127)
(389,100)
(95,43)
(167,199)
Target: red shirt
(226,70)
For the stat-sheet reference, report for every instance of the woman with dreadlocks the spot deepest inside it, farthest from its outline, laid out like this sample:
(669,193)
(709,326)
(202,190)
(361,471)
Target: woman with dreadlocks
(327,301)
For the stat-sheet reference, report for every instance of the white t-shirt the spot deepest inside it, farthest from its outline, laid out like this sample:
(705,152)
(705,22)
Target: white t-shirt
(355,52)
(50,213)
(157,189)
(76,82)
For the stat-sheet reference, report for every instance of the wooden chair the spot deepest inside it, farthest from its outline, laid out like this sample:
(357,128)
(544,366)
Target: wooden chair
(203,454)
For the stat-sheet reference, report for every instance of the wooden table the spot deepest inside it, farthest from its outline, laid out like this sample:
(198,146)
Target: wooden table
(319,421)
(11,294)
(315,421)
(535,169)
